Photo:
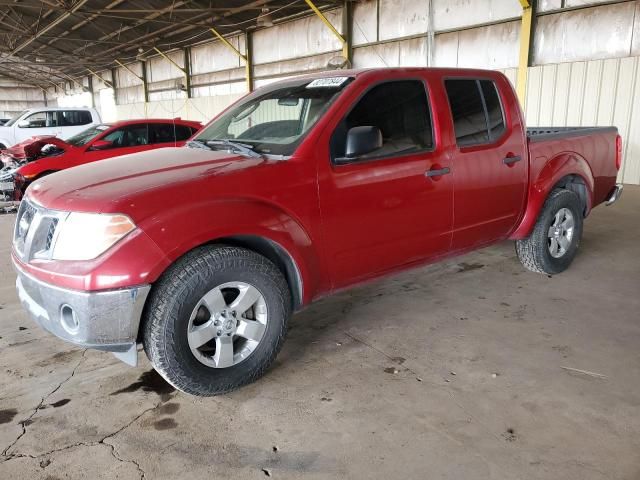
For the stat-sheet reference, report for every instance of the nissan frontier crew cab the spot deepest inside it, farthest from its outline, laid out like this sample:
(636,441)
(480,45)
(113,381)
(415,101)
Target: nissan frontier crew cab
(303,187)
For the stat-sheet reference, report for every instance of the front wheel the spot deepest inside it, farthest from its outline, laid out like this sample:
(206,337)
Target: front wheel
(216,320)
(554,242)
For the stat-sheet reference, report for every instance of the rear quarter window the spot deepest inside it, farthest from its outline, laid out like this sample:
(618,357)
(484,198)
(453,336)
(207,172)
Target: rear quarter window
(183,132)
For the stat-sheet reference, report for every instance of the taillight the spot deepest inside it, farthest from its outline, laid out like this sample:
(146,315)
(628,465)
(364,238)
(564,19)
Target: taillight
(618,152)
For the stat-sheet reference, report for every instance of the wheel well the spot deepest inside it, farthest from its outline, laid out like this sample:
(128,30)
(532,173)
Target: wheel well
(278,255)
(576,184)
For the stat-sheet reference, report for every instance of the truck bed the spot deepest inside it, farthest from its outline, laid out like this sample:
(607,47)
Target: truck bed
(594,146)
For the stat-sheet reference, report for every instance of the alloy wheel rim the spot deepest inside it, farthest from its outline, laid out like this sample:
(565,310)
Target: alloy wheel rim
(227,324)
(560,234)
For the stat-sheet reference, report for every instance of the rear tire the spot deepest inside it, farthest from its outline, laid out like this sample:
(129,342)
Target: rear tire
(555,239)
(237,299)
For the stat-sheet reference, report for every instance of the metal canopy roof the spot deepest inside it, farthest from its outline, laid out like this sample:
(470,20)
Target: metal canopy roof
(51,41)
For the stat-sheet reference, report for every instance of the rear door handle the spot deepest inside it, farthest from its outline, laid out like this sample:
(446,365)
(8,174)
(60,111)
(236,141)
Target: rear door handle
(510,160)
(437,172)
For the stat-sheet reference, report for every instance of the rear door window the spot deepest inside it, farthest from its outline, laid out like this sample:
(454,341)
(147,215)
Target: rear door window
(161,133)
(476,111)
(73,118)
(494,108)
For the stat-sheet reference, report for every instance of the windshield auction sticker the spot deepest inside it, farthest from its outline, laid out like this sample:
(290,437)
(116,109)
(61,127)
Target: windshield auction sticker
(327,82)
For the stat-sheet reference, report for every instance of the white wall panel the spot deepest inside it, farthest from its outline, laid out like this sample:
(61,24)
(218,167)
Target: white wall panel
(401,18)
(592,33)
(405,53)
(159,68)
(298,38)
(365,22)
(216,56)
(450,14)
(594,93)
(494,46)
(547,5)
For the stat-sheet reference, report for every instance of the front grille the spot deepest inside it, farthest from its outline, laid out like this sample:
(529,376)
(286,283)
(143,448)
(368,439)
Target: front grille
(35,231)
(50,233)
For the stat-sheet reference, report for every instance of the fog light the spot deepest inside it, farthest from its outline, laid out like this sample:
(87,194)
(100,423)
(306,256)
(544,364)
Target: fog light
(69,319)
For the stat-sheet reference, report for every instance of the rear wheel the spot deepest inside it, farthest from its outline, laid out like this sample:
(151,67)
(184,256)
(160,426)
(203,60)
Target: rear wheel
(554,242)
(216,320)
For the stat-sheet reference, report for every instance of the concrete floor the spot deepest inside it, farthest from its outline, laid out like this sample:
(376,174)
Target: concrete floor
(462,370)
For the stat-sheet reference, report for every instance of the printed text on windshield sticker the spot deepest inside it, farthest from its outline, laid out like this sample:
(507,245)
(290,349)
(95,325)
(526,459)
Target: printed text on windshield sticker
(327,82)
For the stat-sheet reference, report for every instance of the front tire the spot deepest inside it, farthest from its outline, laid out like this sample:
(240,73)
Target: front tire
(555,239)
(216,320)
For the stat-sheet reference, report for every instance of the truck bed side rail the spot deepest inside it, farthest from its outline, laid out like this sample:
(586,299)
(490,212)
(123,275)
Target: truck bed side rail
(538,134)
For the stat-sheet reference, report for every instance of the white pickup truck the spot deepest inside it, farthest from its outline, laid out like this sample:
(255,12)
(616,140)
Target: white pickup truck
(58,121)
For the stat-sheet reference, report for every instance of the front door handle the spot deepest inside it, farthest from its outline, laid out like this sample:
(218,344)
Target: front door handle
(511,160)
(437,172)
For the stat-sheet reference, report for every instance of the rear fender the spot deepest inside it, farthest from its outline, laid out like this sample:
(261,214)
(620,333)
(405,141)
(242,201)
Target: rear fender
(564,168)
(185,226)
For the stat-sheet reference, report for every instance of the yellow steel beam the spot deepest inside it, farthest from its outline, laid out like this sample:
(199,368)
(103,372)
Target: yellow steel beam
(525,3)
(246,57)
(325,20)
(170,61)
(525,43)
(228,44)
(129,70)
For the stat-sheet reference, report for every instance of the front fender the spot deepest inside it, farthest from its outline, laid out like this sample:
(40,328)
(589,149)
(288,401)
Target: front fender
(549,175)
(183,227)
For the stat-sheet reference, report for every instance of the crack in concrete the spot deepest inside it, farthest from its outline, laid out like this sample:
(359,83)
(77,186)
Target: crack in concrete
(102,441)
(26,421)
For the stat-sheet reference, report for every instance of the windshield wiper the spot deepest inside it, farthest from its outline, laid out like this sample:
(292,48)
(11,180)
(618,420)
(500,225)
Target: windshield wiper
(239,147)
(198,144)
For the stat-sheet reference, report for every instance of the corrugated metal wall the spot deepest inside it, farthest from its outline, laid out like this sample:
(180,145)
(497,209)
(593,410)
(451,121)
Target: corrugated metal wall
(597,92)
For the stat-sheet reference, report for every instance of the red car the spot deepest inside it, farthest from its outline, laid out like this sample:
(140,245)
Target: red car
(302,188)
(96,143)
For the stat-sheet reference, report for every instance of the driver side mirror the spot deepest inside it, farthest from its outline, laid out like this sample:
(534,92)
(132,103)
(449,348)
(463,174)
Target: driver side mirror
(101,145)
(360,141)
(23,124)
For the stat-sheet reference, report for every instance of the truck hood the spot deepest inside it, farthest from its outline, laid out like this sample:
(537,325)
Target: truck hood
(116,184)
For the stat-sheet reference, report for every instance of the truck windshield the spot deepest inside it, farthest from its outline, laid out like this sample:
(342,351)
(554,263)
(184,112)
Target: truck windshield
(275,121)
(15,118)
(87,135)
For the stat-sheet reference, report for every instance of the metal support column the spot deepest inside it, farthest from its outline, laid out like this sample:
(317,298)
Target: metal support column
(145,83)
(347,29)
(248,60)
(114,85)
(526,29)
(187,70)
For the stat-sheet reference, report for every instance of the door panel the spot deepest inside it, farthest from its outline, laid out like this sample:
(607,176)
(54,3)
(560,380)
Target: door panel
(490,164)
(382,211)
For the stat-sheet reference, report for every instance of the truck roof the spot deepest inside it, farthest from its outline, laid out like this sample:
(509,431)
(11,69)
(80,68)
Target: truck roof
(356,72)
(52,109)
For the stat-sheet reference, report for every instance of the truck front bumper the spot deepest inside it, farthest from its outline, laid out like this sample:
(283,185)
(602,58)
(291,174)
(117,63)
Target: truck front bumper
(105,320)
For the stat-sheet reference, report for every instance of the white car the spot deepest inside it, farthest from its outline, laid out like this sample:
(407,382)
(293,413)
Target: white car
(58,121)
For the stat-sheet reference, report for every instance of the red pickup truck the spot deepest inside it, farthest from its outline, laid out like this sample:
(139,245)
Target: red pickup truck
(301,188)
(41,156)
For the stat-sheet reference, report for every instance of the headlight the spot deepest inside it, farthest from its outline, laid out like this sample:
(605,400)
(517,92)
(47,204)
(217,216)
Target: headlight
(84,236)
